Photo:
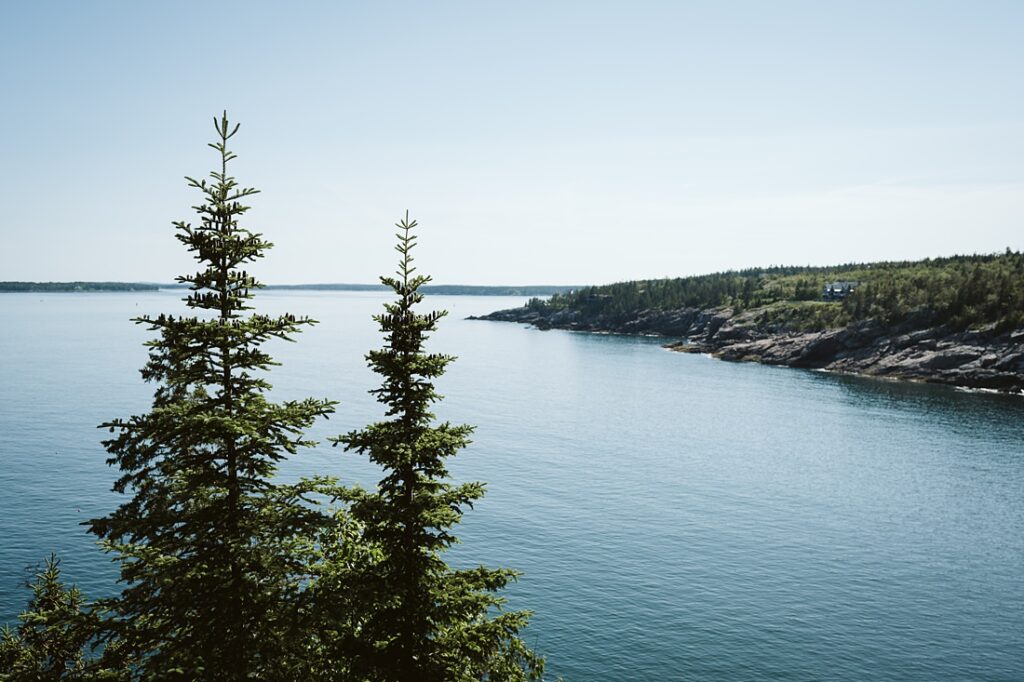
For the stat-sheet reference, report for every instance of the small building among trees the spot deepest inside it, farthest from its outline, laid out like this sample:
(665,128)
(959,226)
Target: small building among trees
(837,291)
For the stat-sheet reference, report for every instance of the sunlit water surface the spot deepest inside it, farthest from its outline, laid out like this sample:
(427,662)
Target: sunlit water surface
(675,517)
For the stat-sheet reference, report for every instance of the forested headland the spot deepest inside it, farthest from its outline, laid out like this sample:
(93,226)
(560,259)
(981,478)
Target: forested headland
(950,320)
(961,291)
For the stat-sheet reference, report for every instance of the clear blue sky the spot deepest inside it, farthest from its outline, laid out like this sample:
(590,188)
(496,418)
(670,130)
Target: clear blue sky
(536,142)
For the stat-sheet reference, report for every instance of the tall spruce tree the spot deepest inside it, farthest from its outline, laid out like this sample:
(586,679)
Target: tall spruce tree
(420,620)
(208,543)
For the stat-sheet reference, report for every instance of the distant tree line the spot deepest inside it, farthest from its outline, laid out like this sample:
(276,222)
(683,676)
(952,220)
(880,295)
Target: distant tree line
(440,289)
(60,287)
(958,291)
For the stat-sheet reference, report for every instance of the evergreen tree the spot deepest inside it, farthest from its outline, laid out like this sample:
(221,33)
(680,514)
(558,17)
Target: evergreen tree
(55,637)
(208,545)
(420,620)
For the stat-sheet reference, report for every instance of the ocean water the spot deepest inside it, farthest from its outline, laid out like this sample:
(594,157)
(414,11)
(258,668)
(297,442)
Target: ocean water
(674,517)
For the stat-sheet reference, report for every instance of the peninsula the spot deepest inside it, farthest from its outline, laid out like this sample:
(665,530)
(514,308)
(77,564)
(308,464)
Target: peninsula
(956,320)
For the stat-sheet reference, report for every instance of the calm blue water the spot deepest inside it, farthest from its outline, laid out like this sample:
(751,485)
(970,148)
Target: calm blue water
(675,517)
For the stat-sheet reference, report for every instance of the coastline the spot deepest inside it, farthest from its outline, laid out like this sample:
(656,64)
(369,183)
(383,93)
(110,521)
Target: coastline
(915,349)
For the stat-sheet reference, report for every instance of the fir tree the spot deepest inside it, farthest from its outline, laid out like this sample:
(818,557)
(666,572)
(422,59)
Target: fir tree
(56,636)
(419,619)
(208,544)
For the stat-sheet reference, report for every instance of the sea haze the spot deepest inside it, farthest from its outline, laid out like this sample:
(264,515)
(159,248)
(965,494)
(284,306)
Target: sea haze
(675,517)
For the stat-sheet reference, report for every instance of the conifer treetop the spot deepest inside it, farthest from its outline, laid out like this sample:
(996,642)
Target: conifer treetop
(208,542)
(418,618)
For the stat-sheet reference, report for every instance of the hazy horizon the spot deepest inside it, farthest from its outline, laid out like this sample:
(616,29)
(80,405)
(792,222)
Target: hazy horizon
(569,144)
(522,284)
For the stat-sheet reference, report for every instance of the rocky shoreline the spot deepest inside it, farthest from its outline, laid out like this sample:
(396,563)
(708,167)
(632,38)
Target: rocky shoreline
(913,350)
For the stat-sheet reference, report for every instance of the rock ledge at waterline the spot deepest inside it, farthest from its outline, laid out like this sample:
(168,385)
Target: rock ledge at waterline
(911,350)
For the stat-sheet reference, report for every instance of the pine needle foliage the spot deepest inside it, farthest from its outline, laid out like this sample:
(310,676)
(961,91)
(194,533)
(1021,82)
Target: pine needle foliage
(209,546)
(55,638)
(419,619)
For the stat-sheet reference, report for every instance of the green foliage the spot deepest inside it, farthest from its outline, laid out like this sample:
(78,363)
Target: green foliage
(800,316)
(228,575)
(979,291)
(56,637)
(419,619)
(211,550)
(959,291)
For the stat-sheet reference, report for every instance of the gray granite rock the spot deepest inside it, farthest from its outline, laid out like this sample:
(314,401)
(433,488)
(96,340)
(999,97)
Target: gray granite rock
(914,350)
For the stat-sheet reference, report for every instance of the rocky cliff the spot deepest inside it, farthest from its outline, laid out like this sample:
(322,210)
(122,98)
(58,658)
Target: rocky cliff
(914,349)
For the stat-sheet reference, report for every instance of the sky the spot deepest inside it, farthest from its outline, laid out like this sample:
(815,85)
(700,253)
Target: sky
(551,142)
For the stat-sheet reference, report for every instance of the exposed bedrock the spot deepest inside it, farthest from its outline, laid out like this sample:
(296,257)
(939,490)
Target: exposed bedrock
(912,350)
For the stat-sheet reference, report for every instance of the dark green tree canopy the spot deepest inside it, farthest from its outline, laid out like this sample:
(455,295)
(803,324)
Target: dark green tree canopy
(208,543)
(419,619)
(230,575)
(55,639)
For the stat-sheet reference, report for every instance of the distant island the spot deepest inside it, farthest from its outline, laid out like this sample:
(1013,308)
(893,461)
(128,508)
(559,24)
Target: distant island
(442,289)
(64,287)
(956,320)
(438,289)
